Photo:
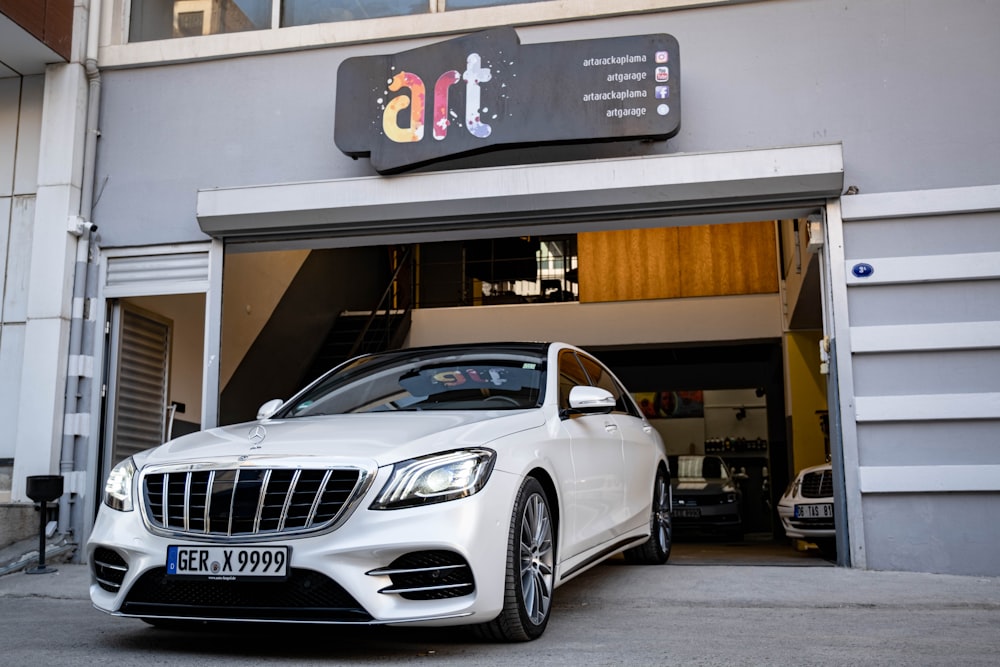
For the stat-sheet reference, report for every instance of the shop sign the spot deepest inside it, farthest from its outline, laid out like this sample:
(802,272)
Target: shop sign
(487,91)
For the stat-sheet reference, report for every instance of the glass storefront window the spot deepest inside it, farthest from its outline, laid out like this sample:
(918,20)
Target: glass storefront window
(473,4)
(306,12)
(165,19)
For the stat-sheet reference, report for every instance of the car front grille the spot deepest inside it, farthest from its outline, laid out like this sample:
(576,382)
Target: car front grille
(428,575)
(242,502)
(817,484)
(305,596)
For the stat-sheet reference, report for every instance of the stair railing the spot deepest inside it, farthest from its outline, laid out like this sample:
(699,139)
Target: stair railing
(397,337)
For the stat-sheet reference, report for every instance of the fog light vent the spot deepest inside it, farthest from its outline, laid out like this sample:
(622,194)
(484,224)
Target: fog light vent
(109,569)
(428,575)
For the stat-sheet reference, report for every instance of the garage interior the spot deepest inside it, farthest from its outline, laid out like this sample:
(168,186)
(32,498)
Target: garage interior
(288,315)
(741,381)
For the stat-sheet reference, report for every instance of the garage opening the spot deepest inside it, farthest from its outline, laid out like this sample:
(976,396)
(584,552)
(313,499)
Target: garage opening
(678,269)
(690,318)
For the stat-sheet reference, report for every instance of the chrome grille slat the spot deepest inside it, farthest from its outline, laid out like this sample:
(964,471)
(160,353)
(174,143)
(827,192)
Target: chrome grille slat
(261,498)
(208,501)
(166,499)
(426,589)
(244,501)
(319,496)
(187,503)
(232,502)
(288,500)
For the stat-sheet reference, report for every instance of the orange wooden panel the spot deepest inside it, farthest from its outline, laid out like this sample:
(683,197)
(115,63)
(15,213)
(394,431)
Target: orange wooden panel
(728,259)
(664,263)
(628,265)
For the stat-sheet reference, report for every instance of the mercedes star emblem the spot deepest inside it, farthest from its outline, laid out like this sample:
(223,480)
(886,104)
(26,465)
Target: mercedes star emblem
(257,434)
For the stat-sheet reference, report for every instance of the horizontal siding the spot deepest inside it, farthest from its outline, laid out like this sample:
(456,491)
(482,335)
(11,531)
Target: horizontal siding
(921,372)
(925,337)
(957,303)
(910,479)
(926,268)
(925,344)
(932,444)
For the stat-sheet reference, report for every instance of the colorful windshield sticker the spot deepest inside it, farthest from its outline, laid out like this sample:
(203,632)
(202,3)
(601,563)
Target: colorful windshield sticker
(493,376)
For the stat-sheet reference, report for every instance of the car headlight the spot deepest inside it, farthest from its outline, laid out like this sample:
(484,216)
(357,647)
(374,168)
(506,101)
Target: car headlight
(793,488)
(435,479)
(118,488)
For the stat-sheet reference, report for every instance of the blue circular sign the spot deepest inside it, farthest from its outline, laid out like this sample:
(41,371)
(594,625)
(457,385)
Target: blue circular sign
(862,270)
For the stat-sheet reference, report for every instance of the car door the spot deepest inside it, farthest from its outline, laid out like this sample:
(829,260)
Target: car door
(639,449)
(593,488)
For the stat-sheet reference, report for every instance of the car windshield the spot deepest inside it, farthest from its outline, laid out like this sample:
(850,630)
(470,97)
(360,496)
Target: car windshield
(699,467)
(440,380)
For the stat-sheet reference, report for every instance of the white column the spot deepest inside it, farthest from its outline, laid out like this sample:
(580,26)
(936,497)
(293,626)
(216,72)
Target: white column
(50,285)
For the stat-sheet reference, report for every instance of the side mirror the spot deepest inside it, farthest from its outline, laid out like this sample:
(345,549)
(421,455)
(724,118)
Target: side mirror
(269,408)
(591,400)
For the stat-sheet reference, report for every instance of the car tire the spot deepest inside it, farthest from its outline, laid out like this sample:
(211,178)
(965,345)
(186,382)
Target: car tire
(656,550)
(530,570)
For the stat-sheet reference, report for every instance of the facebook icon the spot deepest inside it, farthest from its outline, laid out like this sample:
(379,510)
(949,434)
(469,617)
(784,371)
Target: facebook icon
(662,92)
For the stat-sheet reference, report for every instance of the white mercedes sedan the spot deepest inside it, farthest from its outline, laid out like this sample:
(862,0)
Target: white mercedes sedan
(450,485)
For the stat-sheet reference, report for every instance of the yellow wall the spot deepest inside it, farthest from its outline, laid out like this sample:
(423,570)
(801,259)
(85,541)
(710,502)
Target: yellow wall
(806,395)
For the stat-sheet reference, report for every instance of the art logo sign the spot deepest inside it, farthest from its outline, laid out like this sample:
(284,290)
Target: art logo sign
(488,91)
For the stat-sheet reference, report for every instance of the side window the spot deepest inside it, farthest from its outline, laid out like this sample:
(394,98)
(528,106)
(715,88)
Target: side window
(571,374)
(601,377)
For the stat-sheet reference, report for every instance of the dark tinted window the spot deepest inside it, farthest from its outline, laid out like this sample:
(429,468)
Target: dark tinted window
(601,377)
(571,374)
(473,380)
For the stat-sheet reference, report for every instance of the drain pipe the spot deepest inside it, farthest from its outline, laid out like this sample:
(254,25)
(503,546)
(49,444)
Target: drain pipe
(77,412)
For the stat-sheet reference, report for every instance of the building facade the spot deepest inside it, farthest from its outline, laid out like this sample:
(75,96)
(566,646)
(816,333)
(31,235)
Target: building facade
(820,229)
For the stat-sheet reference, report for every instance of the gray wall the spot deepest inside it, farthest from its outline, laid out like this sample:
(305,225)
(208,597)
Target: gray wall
(906,85)
(923,381)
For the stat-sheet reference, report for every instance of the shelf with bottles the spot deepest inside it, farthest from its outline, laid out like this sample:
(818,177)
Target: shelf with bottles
(742,446)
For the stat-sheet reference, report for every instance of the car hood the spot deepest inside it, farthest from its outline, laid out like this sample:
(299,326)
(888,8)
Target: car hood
(698,486)
(357,439)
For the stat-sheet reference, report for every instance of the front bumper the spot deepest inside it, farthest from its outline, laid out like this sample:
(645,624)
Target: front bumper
(706,513)
(804,529)
(333,576)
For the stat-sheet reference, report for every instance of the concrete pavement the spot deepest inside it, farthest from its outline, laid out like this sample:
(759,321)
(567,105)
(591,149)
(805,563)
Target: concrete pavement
(700,609)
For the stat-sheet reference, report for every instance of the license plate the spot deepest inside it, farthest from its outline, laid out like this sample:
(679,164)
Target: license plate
(227,563)
(687,513)
(819,511)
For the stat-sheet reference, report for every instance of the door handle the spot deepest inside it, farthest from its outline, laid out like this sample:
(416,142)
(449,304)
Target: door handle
(610,427)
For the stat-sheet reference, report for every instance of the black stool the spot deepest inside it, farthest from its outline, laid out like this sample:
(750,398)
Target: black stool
(43,489)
